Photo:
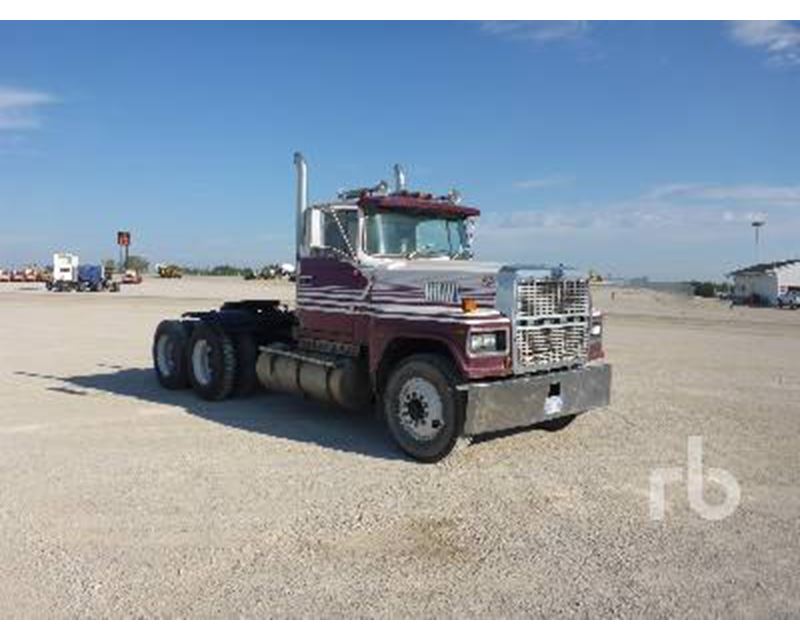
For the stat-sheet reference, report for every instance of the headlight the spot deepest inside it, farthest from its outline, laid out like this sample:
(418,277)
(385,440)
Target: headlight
(483,342)
(487,342)
(596,336)
(596,328)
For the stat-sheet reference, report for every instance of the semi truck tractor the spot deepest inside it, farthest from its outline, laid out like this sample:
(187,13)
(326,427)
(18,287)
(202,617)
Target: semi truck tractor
(70,275)
(392,312)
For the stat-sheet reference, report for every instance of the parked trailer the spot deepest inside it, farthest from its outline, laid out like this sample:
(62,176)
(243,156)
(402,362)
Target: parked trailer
(393,312)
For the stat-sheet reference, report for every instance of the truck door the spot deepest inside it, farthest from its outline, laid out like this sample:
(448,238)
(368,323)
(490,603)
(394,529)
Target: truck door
(329,283)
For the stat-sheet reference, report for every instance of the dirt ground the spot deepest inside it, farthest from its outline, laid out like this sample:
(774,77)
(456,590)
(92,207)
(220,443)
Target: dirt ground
(120,499)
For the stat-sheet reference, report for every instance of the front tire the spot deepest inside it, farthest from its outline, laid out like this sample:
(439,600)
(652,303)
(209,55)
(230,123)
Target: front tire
(423,408)
(211,362)
(169,354)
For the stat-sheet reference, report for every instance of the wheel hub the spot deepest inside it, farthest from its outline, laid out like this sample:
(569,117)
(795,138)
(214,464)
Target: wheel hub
(421,408)
(201,362)
(165,355)
(417,409)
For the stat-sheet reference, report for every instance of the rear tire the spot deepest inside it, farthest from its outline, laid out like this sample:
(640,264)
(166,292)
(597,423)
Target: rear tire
(211,362)
(169,354)
(423,407)
(246,355)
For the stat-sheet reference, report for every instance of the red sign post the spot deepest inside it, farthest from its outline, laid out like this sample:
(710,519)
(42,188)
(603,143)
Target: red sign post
(124,241)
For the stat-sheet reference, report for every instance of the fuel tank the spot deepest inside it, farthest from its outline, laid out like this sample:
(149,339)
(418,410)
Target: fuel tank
(342,381)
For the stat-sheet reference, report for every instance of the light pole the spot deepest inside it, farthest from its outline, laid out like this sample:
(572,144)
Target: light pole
(757,224)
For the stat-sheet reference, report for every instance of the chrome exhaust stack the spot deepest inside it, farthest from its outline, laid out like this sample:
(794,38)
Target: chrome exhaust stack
(399,178)
(302,198)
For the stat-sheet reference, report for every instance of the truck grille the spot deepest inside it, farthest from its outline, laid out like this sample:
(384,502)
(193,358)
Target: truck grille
(552,322)
(539,298)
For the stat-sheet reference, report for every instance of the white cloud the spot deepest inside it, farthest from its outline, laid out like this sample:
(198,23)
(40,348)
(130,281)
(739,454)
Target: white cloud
(788,195)
(687,208)
(779,39)
(19,108)
(744,216)
(678,230)
(545,182)
(542,31)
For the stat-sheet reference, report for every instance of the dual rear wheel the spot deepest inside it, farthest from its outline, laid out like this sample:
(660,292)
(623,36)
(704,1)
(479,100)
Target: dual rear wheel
(213,362)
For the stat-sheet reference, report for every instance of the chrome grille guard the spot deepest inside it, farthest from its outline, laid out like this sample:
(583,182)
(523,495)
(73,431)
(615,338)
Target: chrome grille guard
(550,313)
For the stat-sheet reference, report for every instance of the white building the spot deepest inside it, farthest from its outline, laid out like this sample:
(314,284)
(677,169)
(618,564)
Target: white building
(763,283)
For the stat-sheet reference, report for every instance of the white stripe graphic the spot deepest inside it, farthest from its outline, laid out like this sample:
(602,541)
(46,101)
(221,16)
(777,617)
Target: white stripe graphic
(425,309)
(411,316)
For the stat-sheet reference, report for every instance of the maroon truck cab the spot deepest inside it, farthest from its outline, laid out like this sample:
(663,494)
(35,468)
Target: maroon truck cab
(392,310)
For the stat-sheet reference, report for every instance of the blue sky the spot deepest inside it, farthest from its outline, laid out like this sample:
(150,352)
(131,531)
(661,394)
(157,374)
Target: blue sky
(632,148)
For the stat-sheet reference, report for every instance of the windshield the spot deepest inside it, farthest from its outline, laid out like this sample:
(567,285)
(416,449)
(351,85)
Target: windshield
(412,235)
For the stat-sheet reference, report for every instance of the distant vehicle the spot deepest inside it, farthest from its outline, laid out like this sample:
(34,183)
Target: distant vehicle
(65,272)
(131,276)
(789,300)
(274,271)
(34,274)
(5,276)
(70,275)
(289,272)
(284,271)
(169,271)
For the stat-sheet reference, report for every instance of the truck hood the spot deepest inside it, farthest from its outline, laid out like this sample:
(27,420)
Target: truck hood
(434,282)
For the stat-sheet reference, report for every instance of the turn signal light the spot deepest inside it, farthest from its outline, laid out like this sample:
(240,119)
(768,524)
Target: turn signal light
(468,305)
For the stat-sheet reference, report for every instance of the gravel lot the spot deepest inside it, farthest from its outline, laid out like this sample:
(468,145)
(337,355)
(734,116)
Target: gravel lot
(119,499)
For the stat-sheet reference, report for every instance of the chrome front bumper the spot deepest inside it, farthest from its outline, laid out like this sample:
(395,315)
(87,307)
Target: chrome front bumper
(527,400)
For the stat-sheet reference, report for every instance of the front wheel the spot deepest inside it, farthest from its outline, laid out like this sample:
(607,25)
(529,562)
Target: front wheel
(423,408)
